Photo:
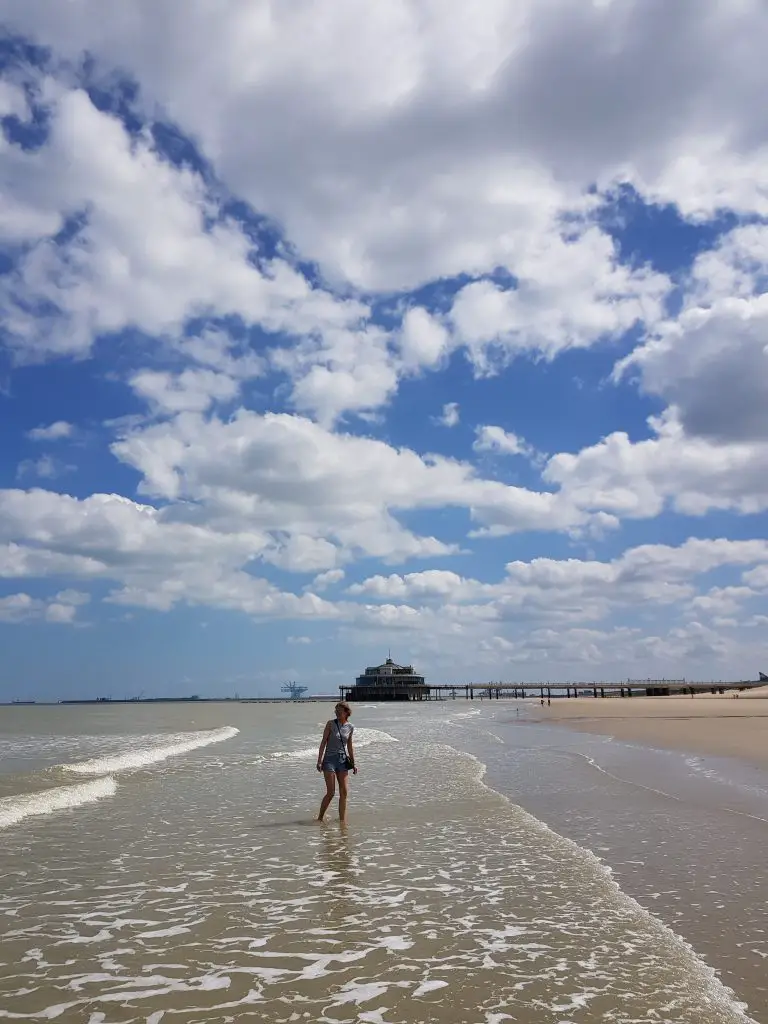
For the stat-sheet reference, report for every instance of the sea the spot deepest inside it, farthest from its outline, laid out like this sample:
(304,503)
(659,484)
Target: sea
(160,864)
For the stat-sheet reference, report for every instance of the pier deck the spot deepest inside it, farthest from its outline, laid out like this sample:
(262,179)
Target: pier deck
(521,691)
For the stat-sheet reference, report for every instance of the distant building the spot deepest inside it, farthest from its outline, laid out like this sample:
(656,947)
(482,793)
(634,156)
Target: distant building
(387,682)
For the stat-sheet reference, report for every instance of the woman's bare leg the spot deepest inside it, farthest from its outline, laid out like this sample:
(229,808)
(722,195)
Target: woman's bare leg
(342,777)
(330,790)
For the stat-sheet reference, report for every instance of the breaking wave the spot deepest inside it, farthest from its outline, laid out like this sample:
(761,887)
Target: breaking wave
(14,809)
(140,757)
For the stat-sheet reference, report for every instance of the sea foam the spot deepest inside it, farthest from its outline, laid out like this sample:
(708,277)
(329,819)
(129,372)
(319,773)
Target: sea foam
(139,757)
(14,809)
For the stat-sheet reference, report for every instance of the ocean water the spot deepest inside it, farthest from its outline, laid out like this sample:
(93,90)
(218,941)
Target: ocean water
(161,864)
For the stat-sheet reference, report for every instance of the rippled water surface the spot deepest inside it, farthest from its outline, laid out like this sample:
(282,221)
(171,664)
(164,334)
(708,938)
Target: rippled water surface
(162,865)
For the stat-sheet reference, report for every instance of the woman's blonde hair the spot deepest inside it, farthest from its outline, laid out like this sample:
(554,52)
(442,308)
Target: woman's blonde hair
(343,704)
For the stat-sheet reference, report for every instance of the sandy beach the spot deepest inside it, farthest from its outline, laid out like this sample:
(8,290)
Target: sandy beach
(723,725)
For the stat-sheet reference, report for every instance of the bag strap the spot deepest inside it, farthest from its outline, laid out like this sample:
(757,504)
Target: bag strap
(342,741)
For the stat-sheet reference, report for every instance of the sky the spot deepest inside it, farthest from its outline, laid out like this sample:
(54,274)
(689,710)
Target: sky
(333,329)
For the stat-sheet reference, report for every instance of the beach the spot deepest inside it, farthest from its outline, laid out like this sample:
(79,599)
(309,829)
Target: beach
(163,864)
(733,724)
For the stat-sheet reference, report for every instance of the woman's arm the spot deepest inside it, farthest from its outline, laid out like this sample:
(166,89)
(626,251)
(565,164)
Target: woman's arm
(323,745)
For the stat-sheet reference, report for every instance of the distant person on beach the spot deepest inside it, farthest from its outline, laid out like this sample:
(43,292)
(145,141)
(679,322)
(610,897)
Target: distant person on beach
(336,758)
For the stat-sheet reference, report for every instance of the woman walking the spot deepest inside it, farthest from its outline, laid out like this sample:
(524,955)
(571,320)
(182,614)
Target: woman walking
(336,758)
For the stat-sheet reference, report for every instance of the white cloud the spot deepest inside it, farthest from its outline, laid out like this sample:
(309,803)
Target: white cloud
(16,608)
(61,613)
(73,597)
(217,351)
(450,415)
(46,468)
(192,390)
(19,607)
(722,601)
(423,339)
(570,292)
(757,578)
(13,102)
(301,552)
(53,432)
(300,640)
(496,439)
(639,479)
(332,390)
(451,148)
(287,473)
(577,589)
(391,166)
(17,561)
(327,579)
(156,559)
(394,159)
(711,362)
(146,256)
(430,583)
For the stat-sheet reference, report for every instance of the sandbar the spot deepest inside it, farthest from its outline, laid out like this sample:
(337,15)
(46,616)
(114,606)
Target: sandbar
(722,725)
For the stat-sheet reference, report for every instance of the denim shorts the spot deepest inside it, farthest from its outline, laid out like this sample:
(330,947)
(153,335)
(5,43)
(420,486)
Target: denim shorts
(337,764)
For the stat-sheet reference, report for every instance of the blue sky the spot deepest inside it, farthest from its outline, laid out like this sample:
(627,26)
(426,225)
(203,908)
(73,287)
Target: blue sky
(450,342)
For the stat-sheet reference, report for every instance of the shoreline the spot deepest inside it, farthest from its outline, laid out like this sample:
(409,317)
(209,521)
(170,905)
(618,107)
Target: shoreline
(714,725)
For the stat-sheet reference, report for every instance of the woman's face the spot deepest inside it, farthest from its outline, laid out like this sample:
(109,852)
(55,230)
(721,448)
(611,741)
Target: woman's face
(342,713)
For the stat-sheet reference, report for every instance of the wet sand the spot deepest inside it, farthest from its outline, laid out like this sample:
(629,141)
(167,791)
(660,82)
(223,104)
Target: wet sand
(721,725)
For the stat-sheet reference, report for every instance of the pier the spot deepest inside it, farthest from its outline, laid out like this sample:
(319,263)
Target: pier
(541,691)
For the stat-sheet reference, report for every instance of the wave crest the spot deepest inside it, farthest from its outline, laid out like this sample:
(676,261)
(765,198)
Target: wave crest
(14,809)
(141,757)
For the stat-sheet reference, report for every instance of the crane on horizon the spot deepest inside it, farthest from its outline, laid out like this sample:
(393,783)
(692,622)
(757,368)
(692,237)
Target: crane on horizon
(294,691)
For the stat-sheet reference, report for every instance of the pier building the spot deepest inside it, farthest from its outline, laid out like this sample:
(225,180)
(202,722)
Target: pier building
(388,682)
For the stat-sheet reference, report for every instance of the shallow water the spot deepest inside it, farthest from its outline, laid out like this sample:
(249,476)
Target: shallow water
(195,886)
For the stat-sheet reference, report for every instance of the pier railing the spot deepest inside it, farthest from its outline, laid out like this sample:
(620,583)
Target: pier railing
(543,691)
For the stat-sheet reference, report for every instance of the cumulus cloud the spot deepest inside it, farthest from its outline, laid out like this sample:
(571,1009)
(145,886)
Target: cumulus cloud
(655,572)
(450,415)
(45,468)
(152,249)
(157,560)
(435,197)
(639,479)
(390,159)
(327,579)
(423,340)
(502,442)
(390,163)
(364,160)
(287,471)
(567,296)
(558,612)
(192,390)
(53,432)
(61,610)
(711,362)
